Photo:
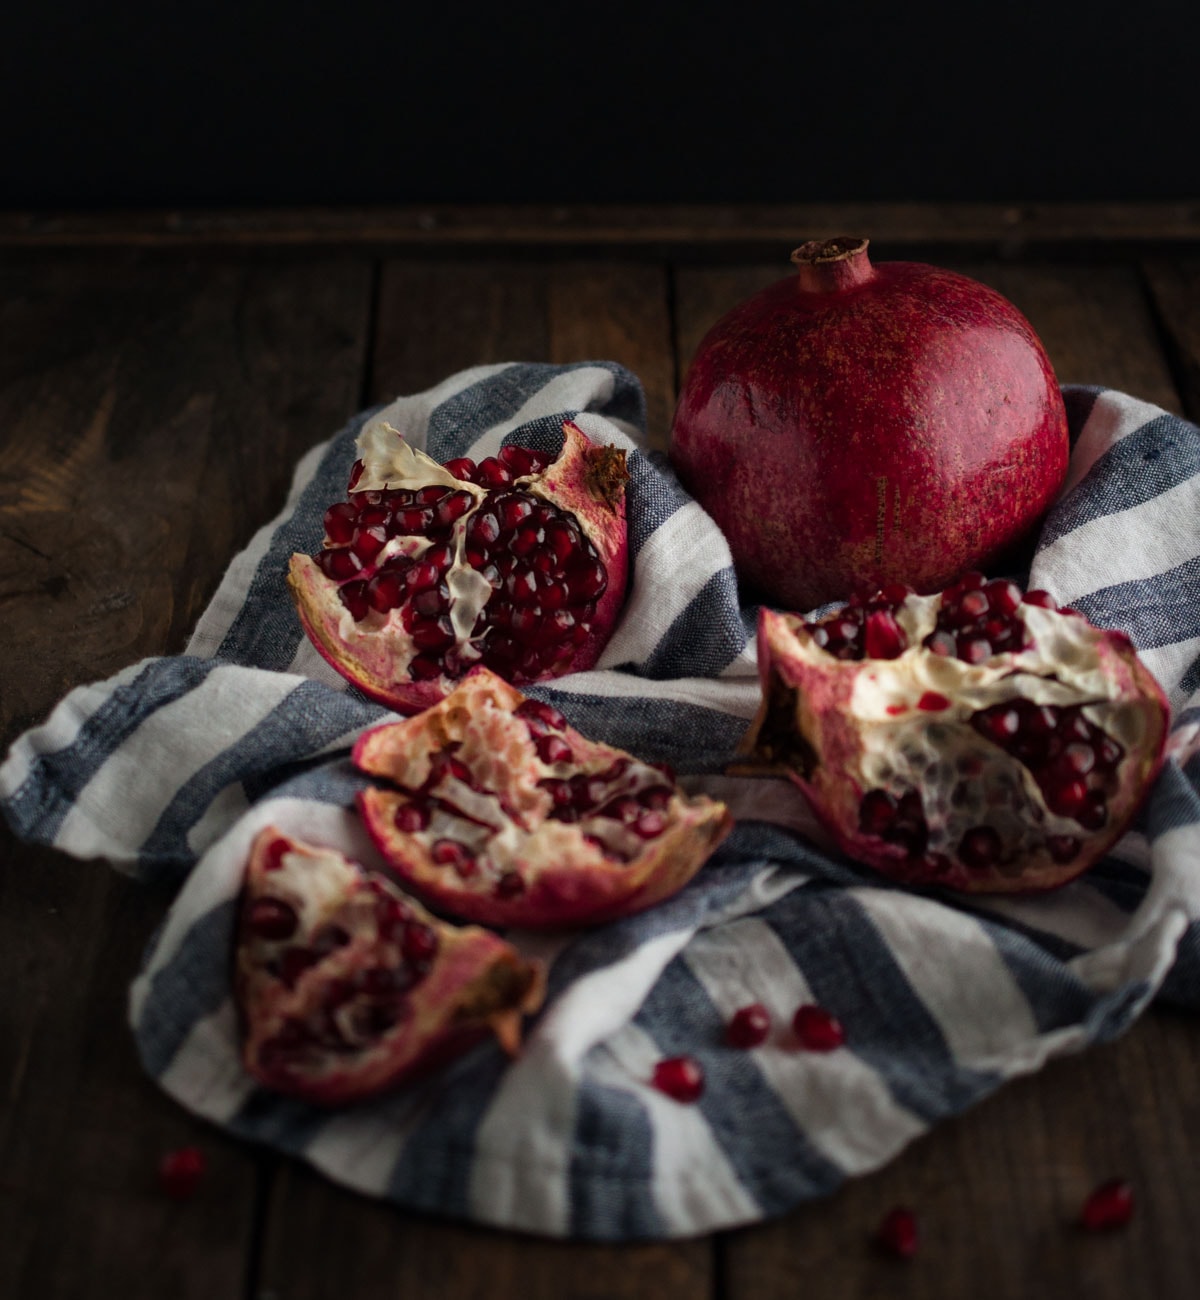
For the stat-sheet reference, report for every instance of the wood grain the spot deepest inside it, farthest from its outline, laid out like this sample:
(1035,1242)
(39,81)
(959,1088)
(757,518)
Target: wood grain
(1175,288)
(150,415)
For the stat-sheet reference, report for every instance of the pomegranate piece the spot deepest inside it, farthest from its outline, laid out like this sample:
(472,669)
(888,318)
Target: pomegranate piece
(520,820)
(367,987)
(816,1029)
(898,1233)
(180,1172)
(748,1026)
(518,564)
(1109,1206)
(680,1077)
(888,422)
(1005,748)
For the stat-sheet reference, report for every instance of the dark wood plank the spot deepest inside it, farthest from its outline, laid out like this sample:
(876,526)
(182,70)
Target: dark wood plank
(436,318)
(998,1190)
(150,415)
(1175,286)
(678,226)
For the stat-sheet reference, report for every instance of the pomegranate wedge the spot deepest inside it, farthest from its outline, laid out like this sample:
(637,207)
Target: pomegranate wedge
(980,739)
(517,563)
(500,812)
(346,985)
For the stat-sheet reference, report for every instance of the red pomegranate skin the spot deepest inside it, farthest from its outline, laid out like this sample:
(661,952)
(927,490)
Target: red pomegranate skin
(862,424)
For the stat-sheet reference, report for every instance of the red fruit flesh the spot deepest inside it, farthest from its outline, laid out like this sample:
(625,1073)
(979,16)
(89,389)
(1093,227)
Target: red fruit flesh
(1109,1206)
(180,1172)
(1005,749)
(680,1077)
(520,820)
(749,1026)
(859,422)
(898,1233)
(517,563)
(367,988)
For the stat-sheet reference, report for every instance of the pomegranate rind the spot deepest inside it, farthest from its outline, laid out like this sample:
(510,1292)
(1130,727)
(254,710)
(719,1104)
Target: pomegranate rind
(565,879)
(841,728)
(587,480)
(476,985)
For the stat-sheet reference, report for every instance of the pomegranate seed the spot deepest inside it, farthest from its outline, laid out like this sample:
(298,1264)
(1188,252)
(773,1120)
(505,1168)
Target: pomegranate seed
(877,812)
(1094,813)
(749,1026)
(492,473)
(973,605)
(355,597)
(933,702)
(1109,1206)
(562,539)
(411,818)
(385,591)
(897,1232)
(1063,848)
(356,472)
(450,853)
(520,460)
(522,586)
(590,581)
(883,637)
(425,668)
(895,593)
(451,508)
(1003,596)
(546,714)
(484,528)
(272,918)
(513,511)
(975,650)
(273,857)
(1041,598)
(980,847)
(650,825)
(941,643)
(971,581)
(680,1077)
(432,602)
(528,538)
(432,634)
(817,1029)
(553,749)
(463,467)
(180,1172)
(338,563)
(999,724)
(368,542)
(420,943)
(340,522)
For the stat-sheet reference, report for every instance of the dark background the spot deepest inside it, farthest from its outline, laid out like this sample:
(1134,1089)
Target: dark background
(138,104)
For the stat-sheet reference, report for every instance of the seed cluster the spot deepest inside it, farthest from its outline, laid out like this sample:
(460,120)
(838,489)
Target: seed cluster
(544,571)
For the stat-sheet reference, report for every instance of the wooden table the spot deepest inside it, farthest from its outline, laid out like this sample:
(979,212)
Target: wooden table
(160,373)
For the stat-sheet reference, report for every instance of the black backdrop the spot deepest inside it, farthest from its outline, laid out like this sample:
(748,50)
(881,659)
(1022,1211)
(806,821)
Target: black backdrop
(130,104)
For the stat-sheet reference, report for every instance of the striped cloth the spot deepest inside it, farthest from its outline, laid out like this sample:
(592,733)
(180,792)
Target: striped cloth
(169,769)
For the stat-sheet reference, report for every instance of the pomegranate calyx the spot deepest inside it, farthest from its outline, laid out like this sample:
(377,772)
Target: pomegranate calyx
(831,265)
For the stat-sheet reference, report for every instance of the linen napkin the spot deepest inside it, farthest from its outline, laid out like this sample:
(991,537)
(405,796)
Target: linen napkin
(168,769)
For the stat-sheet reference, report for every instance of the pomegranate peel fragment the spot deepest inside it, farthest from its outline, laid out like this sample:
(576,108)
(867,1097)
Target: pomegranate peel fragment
(1005,748)
(496,810)
(365,988)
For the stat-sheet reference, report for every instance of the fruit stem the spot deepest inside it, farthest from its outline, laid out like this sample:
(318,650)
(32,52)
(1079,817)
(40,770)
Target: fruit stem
(832,265)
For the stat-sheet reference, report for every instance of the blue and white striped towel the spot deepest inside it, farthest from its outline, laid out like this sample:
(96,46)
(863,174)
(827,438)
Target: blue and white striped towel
(943,999)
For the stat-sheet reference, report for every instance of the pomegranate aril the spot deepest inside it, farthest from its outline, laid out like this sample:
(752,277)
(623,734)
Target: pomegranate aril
(554,749)
(562,540)
(432,633)
(355,597)
(933,702)
(817,1029)
(650,824)
(512,511)
(1063,848)
(527,539)
(450,853)
(368,542)
(451,508)
(1094,813)
(420,943)
(680,1077)
(589,581)
(980,847)
(1041,598)
(942,643)
(1108,753)
(412,817)
(492,473)
(386,590)
(1109,1206)
(356,471)
(413,522)
(522,586)
(425,668)
(975,649)
(972,606)
(432,602)
(180,1172)
(897,1233)
(883,637)
(484,528)
(877,812)
(749,1026)
(273,856)
(272,918)
(338,563)
(1004,597)
(340,522)
(462,467)
(546,714)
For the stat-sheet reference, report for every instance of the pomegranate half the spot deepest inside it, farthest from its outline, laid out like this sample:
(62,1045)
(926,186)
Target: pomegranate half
(496,810)
(980,739)
(869,424)
(518,563)
(346,985)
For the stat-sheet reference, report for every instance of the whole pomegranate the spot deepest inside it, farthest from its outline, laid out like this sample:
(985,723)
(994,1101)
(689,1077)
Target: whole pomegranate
(980,738)
(518,563)
(346,985)
(498,811)
(860,423)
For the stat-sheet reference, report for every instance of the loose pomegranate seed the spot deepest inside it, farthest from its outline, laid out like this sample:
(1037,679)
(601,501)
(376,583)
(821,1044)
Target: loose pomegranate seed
(272,918)
(1109,1206)
(897,1232)
(749,1026)
(180,1172)
(933,702)
(680,1077)
(817,1029)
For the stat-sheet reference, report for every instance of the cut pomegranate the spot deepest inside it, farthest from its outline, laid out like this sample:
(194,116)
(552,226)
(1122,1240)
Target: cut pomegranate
(816,1029)
(1005,748)
(680,1077)
(520,820)
(366,987)
(517,563)
(749,1026)
(869,422)
(180,1172)
(1109,1206)
(898,1234)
